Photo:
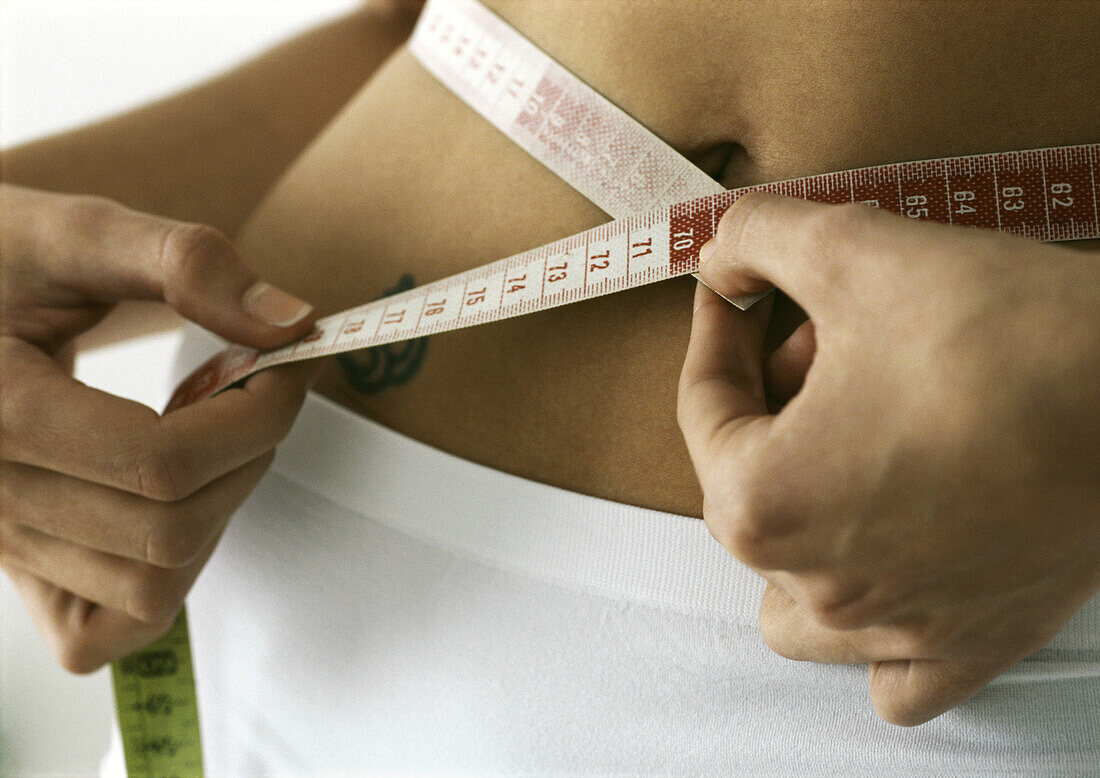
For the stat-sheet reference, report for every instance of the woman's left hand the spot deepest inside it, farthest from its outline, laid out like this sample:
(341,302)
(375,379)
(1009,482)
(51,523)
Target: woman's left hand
(929,500)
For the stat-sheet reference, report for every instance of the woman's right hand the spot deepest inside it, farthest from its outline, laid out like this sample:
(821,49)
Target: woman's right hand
(108,511)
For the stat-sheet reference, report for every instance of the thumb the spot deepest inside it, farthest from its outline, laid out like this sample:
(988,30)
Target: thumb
(108,253)
(204,279)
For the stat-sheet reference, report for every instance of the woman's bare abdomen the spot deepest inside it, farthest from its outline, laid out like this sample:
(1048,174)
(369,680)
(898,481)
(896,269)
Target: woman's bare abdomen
(408,181)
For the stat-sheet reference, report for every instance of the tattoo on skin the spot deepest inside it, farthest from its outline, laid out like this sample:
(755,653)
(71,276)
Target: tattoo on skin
(372,370)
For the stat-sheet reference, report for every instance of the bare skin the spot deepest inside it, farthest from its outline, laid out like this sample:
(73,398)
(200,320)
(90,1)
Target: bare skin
(407,180)
(410,180)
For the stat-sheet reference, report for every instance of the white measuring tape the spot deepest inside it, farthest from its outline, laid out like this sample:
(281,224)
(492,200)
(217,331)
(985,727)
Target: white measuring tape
(665,209)
(1021,192)
(562,122)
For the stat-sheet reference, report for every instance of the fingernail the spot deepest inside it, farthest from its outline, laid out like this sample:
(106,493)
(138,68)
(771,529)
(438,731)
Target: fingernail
(705,252)
(273,306)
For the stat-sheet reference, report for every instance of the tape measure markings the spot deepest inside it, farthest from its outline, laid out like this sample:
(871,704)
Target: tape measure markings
(591,143)
(157,707)
(1093,153)
(573,130)
(984,191)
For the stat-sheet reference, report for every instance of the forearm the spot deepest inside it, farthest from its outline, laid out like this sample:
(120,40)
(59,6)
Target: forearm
(210,153)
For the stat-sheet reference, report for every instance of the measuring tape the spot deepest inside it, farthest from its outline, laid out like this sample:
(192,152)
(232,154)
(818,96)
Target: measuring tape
(158,713)
(1023,192)
(665,209)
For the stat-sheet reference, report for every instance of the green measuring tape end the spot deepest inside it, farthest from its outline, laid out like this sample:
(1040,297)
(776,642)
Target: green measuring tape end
(158,713)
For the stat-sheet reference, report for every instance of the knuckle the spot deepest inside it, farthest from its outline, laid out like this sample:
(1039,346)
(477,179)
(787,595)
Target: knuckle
(834,616)
(935,636)
(187,253)
(723,518)
(745,521)
(750,216)
(752,544)
(84,214)
(76,654)
(783,625)
(775,632)
(81,651)
(830,232)
(71,642)
(722,522)
(839,615)
(155,471)
(172,543)
(152,597)
(835,605)
(849,220)
(154,476)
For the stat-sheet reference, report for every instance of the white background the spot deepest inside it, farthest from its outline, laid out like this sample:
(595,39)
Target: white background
(63,63)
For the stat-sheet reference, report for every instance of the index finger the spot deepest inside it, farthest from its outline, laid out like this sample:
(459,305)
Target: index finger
(89,248)
(49,420)
(810,250)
